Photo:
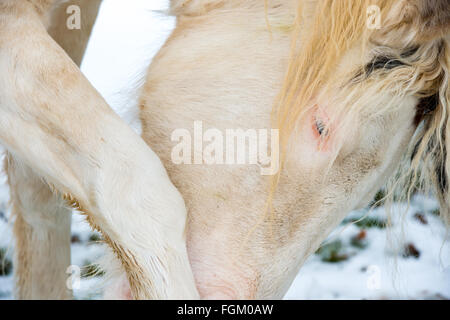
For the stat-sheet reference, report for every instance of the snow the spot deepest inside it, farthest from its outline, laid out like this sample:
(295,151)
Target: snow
(379,271)
(126,36)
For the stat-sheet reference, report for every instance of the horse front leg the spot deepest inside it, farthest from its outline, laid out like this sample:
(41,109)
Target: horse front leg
(42,218)
(42,233)
(56,123)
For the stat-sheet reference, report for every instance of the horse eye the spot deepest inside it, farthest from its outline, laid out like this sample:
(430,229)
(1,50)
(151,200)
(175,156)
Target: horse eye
(321,129)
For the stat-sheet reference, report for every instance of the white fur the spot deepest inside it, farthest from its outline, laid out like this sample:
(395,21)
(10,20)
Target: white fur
(55,122)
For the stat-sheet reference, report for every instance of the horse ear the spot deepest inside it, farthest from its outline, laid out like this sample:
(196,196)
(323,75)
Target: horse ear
(432,18)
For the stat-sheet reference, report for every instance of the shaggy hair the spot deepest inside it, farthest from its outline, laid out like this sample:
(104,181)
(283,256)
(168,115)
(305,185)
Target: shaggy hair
(409,56)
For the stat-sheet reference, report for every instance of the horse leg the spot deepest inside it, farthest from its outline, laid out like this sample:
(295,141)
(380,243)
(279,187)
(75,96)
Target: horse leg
(56,123)
(42,233)
(42,218)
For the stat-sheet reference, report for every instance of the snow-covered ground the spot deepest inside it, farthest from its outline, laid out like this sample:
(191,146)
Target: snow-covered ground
(410,260)
(356,262)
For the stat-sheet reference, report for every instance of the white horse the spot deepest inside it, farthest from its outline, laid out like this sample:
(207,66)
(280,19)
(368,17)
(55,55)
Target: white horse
(353,97)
